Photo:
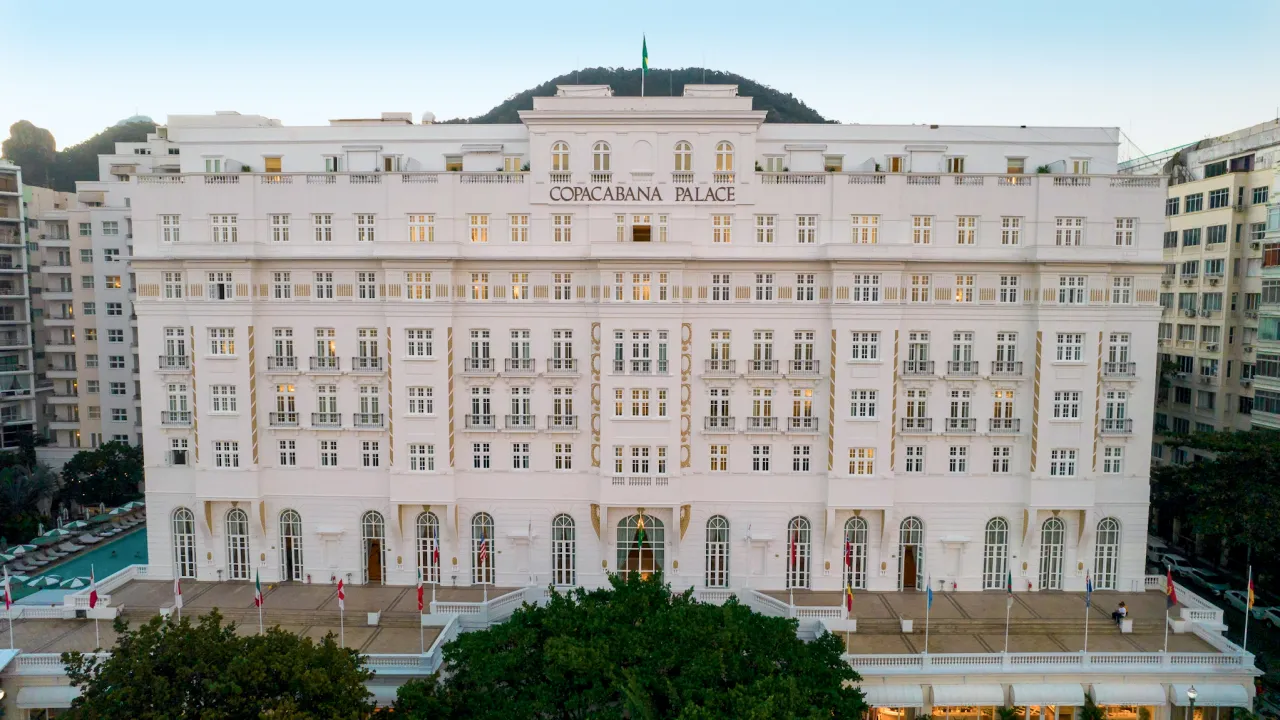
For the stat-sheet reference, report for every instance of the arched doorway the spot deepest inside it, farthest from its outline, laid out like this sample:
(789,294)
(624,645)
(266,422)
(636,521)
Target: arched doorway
(995,554)
(1053,541)
(428,547)
(237,545)
(717,553)
(641,545)
(482,572)
(1106,555)
(564,565)
(799,552)
(184,543)
(373,547)
(911,554)
(290,546)
(855,553)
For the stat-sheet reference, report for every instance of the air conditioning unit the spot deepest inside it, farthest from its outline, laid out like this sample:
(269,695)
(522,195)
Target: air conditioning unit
(1204,313)
(1191,313)
(1246,382)
(1183,376)
(1248,348)
(1166,281)
(1255,245)
(1251,314)
(1214,280)
(1211,347)
(1205,379)
(1188,281)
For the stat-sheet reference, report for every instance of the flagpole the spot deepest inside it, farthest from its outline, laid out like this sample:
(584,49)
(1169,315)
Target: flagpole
(1248,610)
(97,639)
(342,626)
(8,605)
(928,605)
(1088,600)
(1086,627)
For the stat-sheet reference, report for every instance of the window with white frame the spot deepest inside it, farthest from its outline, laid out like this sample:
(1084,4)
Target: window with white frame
(1062,463)
(921,229)
(222,341)
(920,288)
(864,288)
(721,227)
(1113,460)
(563,456)
(323,286)
(480,456)
(806,229)
(1070,347)
(364,227)
(479,225)
(561,228)
(520,456)
(806,289)
(964,288)
(221,286)
(915,459)
(760,456)
(1001,459)
(367,285)
(1125,228)
(720,287)
(418,343)
(1010,231)
(1121,290)
(479,286)
(170,228)
(422,457)
(328,453)
(1071,289)
(288,453)
(421,400)
(282,285)
(1066,405)
(322,226)
(173,289)
(222,399)
(520,286)
(417,285)
(966,230)
(562,286)
(862,461)
(719,455)
(800,458)
(1068,231)
(422,228)
(862,404)
(1009,289)
(764,286)
(224,228)
(866,346)
(958,459)
(119,415)
(226,454)
(866,229)
(764,228)
(369,455)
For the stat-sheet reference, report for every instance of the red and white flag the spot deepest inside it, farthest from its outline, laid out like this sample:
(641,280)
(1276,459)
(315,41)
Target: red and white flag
(8,599)
(257,590)
(177,593)
(342,596)
(93,590)
(435,552)
(419,591)
(484,551)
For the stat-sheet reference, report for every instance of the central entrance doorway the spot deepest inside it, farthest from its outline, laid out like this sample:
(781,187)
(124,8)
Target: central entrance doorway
(641,545)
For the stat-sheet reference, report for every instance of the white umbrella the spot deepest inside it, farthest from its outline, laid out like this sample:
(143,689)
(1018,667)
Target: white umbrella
(76,525)
(75,583)
(45,581)
(56,533)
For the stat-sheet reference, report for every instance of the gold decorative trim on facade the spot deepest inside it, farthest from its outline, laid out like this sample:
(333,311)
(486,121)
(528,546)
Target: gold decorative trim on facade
(1097,406)
(449,379)
(149,290)
(391,399)
(686,395)
(784,293)
(824,292)
(442,291)
(893,405)
(196,290)
(242,289)
(302,290)
(842,293)
(195,414)
(986,294)
(686,511)
(1047,296)
(595,394)
(831,406)
(261,290)
(891,293)
(1028,296)
(393,290)
(345,291)
(595,519)
(742,292)
(1035,401)
(688,292)
(941,294)
(253,397)
(1147,297)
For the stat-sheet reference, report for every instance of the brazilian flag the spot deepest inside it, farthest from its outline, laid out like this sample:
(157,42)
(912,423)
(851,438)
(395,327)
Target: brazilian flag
(640,532)
(644,56)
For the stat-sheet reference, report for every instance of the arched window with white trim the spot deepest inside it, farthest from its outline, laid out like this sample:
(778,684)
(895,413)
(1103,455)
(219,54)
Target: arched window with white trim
(428,533)
(291,546)
(237,544)
(564,546)
(911,554)
(373,541)
(724,156)
(1053,544)
(600,157)
(184,543)
(684,157)
(482,549)
(995,554)
(1106,555)
(560,156)
(717,553)
(799,551)
(854,554)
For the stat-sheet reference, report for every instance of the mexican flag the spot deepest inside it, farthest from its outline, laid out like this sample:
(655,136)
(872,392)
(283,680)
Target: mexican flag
(257,590)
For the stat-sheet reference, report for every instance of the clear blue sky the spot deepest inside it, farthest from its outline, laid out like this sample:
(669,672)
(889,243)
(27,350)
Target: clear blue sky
(1165,71)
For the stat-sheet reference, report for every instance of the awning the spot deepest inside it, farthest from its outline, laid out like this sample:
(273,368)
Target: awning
(1219,695)
(91,196)
(894,695)
(1071,694)
(1128,694)
(383,695)
(50,696)
(968,695)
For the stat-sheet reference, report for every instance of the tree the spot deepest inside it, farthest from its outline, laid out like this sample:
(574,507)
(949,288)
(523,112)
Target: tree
(33,149)
(24,498)
(204,670)
(636,650)
(110,473)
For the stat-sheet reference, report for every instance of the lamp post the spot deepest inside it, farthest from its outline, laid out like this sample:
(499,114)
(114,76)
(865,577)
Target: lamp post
(1191,700)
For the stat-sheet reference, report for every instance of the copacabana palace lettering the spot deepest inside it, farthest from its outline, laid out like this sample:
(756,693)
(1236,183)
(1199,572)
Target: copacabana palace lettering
(622,193)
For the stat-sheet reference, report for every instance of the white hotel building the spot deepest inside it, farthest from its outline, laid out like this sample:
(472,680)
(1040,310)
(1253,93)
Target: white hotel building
(358,336)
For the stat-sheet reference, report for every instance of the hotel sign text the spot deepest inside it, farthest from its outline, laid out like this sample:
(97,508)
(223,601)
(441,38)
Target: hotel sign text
(626,193)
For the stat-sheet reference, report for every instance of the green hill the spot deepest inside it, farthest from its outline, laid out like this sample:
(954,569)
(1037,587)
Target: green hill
(32,148)
(782,107)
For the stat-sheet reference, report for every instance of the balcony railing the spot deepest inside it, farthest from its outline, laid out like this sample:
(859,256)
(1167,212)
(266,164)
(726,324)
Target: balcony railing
(283,419)
(803,424)
(962,368)
(562,365)
(174,362)
(282,362)
(367,420)
(1117,426)
(601,178)
(178,418)
(722,178)
(917,425)
(478,422)
(562,422)
(325,362)
(681,178)
(961,425)
(917,367)
(762,368)
(1119,369)
(520,422)
(521,366)
(1004,425)
(640,480)
(719,423)
(561,177)
(1006,368)
(326,420)
(762,424)
(721,367)
(477,365)
(366,364)
(806,367)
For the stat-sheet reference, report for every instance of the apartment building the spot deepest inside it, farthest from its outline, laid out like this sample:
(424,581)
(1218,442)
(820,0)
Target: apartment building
(49,260)
(1216,213)
(763,344)
(17,375)
(1266,393)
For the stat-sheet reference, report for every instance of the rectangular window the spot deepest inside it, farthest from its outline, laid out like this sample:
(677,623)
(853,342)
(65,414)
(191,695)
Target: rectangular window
(422,457)
(1062,463)
(364,227)
(281,285)
(1113,460)
(92,308)
(288,453)
(764,286)
(170,228)
(561,228)
(1068,231)
(1191,237)
(1219,198)
(866,346)
(419,344)
(563,456)
(958,459)
(324,286)
(226,454)
(765,228)
(1121,290)
(422,228)
(719,455)
(921,229)
(110,227)
(966,230)
(964,288)
(1066,405)
(760,456)
(480,458)
(328,453)
(479,225)
(221,286)
(369,455)
(805,290)
(223,398)
(479,286)
(222,341)
(1009,289)
(800,458)
(1195,203)
(915,459)
(721,227)
(920,288)
(1171,206)
(417,285)
(421,401)
(1215,234)
(862,461)
(866,229)
(865,288)
(520,456)
(1070,347)
(1071,289)
(862,404)
(86,229)
(224,228)
(806,229)
(1001,456)
(1010,231)
(520,286)
(1125,228)
(113,281)
(720,287)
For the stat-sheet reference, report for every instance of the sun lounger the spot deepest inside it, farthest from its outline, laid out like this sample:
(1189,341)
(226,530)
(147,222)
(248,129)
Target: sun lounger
(88,539)
(22,566)
(70,547)
(36,562)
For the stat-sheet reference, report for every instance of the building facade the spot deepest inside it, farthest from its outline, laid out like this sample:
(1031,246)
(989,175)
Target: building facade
(49,258)
(641,334)
(1266,394)
(17,373)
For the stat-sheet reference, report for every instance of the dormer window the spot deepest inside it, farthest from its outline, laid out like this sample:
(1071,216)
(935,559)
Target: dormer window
(511,163)
(833,163)
(684,157)
(600,157)
(213,164)
(1079,166)
(724,156)
(560,157)
(332,163)
(391,163)
(453,163)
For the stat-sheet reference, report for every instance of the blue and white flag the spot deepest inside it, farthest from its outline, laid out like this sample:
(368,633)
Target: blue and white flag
(1088,589)
(928,593)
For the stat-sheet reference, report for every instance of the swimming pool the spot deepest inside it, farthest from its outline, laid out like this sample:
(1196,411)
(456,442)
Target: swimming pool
(109,557)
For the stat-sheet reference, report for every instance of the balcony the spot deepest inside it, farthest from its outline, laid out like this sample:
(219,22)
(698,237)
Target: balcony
(174,362)
(366,364)
(762,424)
(917,367)
(719,424)
(477,366)
(806,368)
(1117,426)
(562,423)
(917,425)
(1119,369)
(803,424)
(762,368)
(961,425)
(558,177)
(1004,426)
(175,418)
(520,423)
(962,368)
(640,490)
(282,419)
(681,178)
(1006,368)
(562,366)
(282,363)
(368,421)
(601,178)
(330,420)
(722,178)
(721,368)
(478,422)
(325,363)
(520,366)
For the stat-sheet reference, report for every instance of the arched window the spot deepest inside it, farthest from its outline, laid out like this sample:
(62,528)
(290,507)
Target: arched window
(911,554)
(854,558)
(799,551)
(184,543)
(560,157)
(600,157)
(1106,555)
(684,157)
(429,547)
(724,156)
(291,546)
(717,572)
(642,545)
(237,545)
(564,564)
(995,554)
(482,549)
(1053,540)
(373,548)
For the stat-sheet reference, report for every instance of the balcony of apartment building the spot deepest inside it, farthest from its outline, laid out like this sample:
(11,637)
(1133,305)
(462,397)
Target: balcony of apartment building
(8,185)
(63,392)
(12,261)
(17,385)
(65,417)
(62,367)
(562,366)
(14,288)
(179,363)
(562,423)
(660,366)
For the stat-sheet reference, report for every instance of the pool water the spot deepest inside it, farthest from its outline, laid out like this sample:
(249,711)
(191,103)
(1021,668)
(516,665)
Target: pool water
(108,557)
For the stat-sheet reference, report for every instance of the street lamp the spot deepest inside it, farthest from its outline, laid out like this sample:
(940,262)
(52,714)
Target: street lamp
(1191,700)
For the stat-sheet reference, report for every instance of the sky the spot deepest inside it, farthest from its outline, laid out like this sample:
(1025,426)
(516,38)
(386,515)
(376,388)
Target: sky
(1166,72)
